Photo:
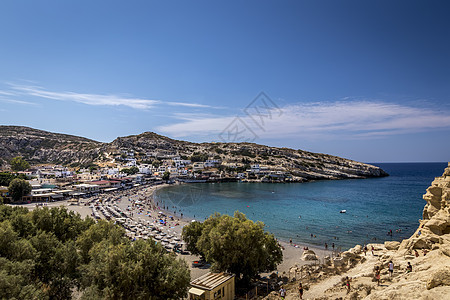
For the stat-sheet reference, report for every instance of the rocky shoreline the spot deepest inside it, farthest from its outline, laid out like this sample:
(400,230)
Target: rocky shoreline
(427,251)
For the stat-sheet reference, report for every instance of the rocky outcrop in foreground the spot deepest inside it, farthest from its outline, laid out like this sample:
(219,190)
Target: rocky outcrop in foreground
(434,230)
(427,251)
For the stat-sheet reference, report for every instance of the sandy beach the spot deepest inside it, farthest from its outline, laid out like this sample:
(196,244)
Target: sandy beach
(139,204)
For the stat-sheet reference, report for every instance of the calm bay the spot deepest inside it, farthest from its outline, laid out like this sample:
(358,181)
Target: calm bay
(296,211)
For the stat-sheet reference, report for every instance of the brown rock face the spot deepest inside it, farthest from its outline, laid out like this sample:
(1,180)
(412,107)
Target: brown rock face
(434,229)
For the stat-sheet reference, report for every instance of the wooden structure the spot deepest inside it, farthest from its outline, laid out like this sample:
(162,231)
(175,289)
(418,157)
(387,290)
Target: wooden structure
(212,286)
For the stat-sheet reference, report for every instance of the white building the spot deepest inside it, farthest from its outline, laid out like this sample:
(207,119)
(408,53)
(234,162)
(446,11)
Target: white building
(212,163)
(198,166)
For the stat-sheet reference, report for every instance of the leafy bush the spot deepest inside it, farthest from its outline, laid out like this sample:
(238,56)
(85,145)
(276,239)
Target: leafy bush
(50,253)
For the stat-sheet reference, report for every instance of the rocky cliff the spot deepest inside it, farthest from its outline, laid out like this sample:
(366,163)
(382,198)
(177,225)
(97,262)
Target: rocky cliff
(434,229)
(39,146)
(421,263)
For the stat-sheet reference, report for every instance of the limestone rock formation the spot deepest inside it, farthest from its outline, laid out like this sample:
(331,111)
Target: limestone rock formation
(434,229)
(440,277)
(391,245)
(309,255)
(422,275)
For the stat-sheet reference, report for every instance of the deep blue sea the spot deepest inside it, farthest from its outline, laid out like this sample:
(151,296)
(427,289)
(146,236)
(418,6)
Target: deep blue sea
(297,210)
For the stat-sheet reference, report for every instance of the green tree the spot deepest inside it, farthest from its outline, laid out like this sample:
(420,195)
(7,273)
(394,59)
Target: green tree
(17,281)
(130,171)
(47,253)
(166,176)
(156,163)
(239,246)
(19,164)
(19,188)
(191,234)
(6,178)
(139,270)
(66,225)
(199,157)
(97,233)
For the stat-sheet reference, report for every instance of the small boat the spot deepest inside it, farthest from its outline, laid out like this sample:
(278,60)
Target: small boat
(343,211)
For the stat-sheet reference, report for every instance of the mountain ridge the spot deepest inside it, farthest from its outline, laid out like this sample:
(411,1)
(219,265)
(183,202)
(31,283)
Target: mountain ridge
(39,146)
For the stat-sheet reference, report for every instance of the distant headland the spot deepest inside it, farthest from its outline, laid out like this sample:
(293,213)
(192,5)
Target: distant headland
(156,155)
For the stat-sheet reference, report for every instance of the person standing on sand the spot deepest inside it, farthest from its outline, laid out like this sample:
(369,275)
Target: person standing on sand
(373,248)
(300,290)
(391,268)
(365,249)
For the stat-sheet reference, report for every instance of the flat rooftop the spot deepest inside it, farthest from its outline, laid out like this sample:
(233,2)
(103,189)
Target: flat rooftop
(210,281)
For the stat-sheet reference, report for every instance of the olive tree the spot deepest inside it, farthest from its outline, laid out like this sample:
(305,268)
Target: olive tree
(19,164)
(141,270)
(19,188)
(236,245)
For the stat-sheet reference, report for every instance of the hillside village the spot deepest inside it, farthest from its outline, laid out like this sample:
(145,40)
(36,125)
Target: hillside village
(65,166)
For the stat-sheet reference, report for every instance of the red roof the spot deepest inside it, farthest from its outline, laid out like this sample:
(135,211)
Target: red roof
(100,182)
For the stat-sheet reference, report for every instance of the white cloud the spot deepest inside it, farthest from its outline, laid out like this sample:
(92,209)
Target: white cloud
(90,99)
(344,119)
(5,93)
(93,99)
(195,105)
(16,101)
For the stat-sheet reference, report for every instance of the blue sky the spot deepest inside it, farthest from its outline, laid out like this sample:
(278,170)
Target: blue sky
(364,80)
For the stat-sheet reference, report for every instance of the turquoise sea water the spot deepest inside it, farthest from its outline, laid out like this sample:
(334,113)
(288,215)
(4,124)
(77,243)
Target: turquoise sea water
(297,210)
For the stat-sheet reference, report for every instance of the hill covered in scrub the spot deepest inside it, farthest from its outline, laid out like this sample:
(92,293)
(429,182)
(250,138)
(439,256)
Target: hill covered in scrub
(38,146)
